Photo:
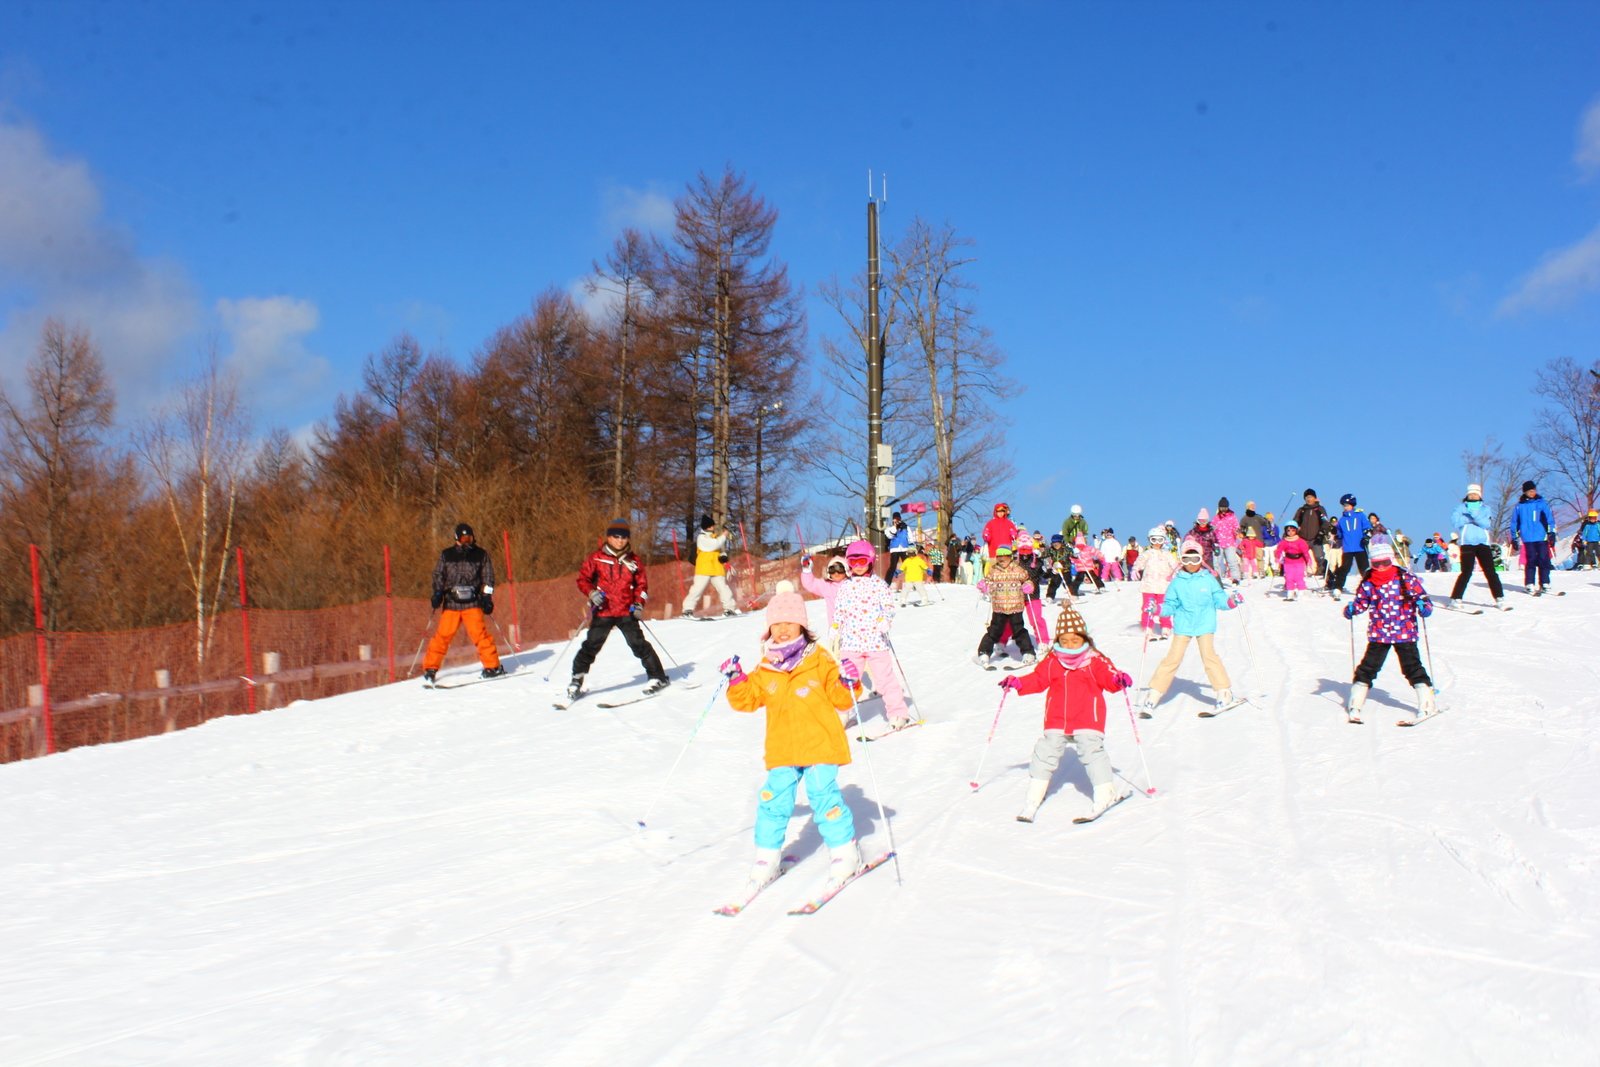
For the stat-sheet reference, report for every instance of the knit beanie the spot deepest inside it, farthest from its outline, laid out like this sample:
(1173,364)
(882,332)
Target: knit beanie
(1222,503)
(1204,516)
(617,526)
(1070,622)
(1380,553)
(786,605)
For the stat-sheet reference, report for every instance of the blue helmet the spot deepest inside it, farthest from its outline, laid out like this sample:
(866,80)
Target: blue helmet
(1348,498)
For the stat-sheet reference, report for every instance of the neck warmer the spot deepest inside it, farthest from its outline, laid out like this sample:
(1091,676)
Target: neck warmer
(1068,658)
(786,657)
(1383,575)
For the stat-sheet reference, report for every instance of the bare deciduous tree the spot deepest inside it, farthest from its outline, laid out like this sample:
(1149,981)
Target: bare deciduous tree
(1565,441)
(958,362)
(196,452)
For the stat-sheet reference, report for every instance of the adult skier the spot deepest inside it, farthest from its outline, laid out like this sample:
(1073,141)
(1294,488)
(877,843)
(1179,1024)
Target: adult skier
(1353,531)
(463,585)
(1472,520)
(710,567)
(1075,524)
(1311,518)
(1533,525)
(613,580)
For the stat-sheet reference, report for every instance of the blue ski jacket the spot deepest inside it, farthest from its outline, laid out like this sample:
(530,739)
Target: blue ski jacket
(1353,527)
(1471,520)
(1192,601)
(1589,533)
(1269,534)
(1532,521)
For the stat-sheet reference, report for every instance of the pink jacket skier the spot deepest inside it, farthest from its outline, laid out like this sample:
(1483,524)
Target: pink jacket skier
(864,610)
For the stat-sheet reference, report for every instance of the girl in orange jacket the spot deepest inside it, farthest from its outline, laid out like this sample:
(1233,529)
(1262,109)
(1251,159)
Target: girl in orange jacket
(801,687)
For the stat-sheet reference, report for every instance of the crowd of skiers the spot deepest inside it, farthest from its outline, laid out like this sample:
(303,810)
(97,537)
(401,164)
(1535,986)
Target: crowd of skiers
(810,685)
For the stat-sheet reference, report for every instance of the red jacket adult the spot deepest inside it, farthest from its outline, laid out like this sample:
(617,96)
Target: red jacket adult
(998,531)
(620,577)
(1074,698)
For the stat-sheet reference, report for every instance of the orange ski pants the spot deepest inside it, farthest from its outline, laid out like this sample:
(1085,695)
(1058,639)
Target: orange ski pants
(477,633)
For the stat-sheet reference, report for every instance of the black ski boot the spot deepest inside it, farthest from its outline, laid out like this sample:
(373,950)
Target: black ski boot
(493,672)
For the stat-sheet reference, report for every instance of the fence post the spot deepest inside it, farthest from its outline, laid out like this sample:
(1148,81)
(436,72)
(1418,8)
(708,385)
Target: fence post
(511,581)
(164,681)
(244,622)
(388,609)
(44,653)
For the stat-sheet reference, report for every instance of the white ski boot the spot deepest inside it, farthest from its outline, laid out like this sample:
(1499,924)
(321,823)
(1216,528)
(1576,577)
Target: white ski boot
(1029,659)
(844,862)
(1037,788)
(1358,697)
(764,871)
(1425,702)
(981,660)
(1106,795)
(1147,709)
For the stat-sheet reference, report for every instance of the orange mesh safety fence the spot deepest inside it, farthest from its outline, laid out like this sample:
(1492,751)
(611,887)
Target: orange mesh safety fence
(135,683)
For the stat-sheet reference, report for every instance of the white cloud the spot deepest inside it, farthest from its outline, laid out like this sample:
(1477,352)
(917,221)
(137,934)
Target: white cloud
(643,209)
(266,349)
(600,306)
(1561,277)
(1587,155)
(60,257)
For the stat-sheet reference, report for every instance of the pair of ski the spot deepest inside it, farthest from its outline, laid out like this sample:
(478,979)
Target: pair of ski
(563,702)
(1356,720)
(813,905)
(891,731)
(461,681)
(1084,820)
(1210,713)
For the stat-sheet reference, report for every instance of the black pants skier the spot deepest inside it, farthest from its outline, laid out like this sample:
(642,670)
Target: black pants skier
(997,628)
(600,628)
(1537,565)
(1479,556)
(1589,554)
(1052,585)
(1336,582)
(1076,581)
(1377,652)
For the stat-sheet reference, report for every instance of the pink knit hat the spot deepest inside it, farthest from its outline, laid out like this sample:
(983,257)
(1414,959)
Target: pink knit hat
(786,605)
(1204,516)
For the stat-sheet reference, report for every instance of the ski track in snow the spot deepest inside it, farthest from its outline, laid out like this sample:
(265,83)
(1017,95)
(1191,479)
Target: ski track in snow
(412,877)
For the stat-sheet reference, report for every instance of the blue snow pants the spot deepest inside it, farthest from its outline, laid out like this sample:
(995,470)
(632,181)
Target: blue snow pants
(828,808)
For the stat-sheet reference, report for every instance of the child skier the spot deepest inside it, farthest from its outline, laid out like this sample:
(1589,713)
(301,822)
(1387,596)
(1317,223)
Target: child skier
(1396,599)
(806,700)
(914,571)
(1074,676)
(1193,599)
(614,581)
(1154,571)
(1007,586)
(1033,563)
(864,611)
(1085,564)
(1294,556)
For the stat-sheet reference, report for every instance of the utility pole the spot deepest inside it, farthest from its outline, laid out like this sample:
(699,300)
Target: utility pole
(880,483)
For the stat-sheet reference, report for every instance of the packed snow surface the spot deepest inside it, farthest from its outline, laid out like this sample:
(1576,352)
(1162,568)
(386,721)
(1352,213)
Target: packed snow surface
(413,877)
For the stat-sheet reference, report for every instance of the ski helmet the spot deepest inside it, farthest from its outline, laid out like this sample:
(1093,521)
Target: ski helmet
(1002,507)
(1158,533)
(860,550)
(463,530)
(1348,498)
(1077,509)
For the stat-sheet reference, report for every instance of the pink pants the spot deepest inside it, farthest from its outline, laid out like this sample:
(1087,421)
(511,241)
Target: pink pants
(881,666)
(1294,574)
(1147,613)
(1110,570)
(1035,612)
(1249,565)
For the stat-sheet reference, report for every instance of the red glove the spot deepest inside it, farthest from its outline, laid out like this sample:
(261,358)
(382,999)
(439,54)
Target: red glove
(1011,684)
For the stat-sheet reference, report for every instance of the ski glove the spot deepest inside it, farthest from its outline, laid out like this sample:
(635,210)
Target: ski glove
(438,600)
(486,602)
(883,626)
(805,561)
(1027,587)
(1235,599)
(850,671)
(1011,684)
(597,598)
(636,610)
(732,670)
(1349,611)
(1124,680)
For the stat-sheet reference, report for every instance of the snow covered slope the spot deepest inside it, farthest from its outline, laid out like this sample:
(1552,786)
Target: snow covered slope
(412,877)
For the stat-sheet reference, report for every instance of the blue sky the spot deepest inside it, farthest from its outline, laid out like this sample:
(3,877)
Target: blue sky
(1228,249)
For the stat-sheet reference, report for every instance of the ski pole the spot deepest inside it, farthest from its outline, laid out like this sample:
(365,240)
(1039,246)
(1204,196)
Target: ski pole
(658,642)
(1427,649)
(877,794)
(1352,646)
(987,744)
(587,622)
(903,679)
(1133,720)
(427,630)
(684,751)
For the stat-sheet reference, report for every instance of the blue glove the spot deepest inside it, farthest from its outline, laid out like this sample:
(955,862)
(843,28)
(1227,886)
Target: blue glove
(1349,611)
